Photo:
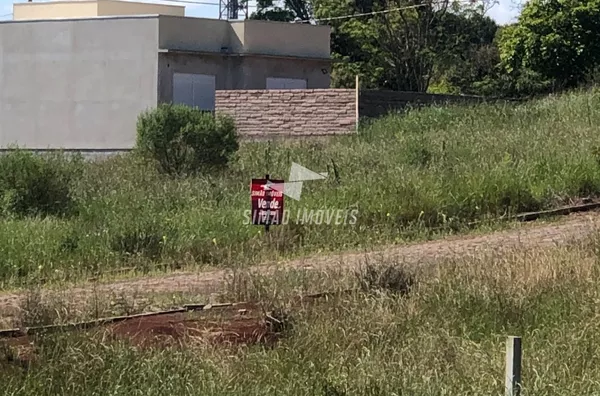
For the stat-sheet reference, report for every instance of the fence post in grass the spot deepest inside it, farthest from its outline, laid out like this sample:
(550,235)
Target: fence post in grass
(513,366)
(356,102)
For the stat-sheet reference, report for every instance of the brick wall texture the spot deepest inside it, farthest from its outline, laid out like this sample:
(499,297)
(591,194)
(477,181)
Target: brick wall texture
(290,112)
(304,112)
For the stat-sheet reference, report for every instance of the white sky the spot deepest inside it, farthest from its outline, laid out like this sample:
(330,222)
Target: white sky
(506,11)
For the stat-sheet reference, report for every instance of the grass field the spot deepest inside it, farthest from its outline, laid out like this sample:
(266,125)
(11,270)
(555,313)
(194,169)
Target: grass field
(433,330)
(444,337)
(429,172)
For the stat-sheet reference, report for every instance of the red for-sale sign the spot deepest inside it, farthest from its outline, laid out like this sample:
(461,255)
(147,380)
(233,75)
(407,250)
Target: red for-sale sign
(267,201)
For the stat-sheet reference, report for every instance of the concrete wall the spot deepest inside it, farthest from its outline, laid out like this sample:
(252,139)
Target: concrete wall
(256,70)
(239,72)
(59,9)
(196,34)
(90,8)
(76,84)
(245,37)
(290,39)
(290,112)
(114,7)
(224,69)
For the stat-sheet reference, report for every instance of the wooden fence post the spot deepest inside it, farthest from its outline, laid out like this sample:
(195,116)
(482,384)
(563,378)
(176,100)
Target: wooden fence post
(513,366)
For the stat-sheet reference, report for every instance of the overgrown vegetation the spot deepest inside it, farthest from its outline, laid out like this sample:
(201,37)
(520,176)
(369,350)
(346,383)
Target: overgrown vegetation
(445,336)
(182,140)
(413,176)
(37,185)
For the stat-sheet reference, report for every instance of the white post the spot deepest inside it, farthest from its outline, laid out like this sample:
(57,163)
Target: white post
(357,101)
(513,366)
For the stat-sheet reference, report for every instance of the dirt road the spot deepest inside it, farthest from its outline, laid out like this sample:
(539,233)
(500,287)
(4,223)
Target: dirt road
(569,229)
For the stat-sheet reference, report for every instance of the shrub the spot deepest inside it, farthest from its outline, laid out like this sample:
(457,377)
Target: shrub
(184,140)
(36,184)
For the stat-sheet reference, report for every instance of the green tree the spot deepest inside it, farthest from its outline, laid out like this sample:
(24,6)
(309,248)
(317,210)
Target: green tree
(408,37)
(286,11)
(466,52)
(400,45)
(555,40)
(354,41)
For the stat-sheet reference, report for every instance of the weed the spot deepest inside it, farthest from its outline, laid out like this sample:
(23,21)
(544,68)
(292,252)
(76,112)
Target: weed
(391,277)
(418,175)
(37,312)
(448,338)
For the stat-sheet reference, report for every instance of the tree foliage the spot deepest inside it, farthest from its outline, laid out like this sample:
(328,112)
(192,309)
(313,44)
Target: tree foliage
(355,43)
(286,11)
(409,37)
(557,40)
(408,45)
(466,53)
(451,47)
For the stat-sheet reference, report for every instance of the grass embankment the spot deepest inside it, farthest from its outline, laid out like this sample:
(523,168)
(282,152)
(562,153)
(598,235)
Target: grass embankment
(433,170)
(444,337)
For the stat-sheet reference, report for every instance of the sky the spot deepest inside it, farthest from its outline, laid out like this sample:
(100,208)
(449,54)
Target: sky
(503,12)
(506,11)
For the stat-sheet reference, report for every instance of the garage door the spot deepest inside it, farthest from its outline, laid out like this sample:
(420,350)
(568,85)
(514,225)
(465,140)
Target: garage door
(285,83)
(196,90)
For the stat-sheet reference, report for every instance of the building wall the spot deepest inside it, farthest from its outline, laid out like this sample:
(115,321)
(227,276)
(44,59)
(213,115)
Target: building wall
(113,7)
(245,37)
(238,72)
(76,84)
(290,112)
(66,9)
(90,8)
(222,67)
(291,39)
(264,113)
(256,70)
(196,34)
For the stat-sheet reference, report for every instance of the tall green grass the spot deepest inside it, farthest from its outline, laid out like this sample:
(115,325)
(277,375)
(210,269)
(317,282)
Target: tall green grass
(406,175)
(445,337)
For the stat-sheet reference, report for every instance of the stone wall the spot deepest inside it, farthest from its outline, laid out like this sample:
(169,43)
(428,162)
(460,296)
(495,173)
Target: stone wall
(297,112)
(306,112)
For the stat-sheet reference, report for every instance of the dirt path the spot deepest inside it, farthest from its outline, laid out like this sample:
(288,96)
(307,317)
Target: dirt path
(569,229)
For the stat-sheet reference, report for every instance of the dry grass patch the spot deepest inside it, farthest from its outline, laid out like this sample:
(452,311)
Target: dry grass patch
(445,336)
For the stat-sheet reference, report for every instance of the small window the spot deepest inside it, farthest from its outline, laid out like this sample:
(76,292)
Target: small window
(285,83)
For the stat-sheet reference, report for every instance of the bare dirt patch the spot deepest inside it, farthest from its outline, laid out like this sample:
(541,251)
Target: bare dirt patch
(233,325)
(241,324)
